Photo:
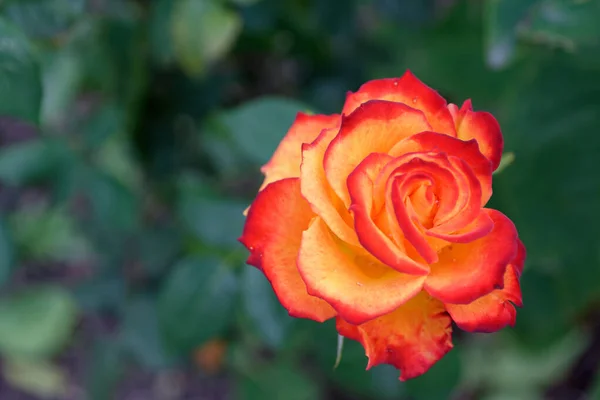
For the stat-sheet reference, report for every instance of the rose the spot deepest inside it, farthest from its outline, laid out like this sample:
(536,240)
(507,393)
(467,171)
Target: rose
(376,217)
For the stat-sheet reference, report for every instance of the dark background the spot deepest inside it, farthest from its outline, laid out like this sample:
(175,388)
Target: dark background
(131,136)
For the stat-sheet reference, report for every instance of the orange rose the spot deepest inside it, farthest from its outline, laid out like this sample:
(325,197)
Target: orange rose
(376,217)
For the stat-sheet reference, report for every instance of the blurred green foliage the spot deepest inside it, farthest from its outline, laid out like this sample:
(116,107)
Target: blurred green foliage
(131,136)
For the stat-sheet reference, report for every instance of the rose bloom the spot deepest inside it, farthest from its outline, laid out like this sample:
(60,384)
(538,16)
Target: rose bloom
(376,217)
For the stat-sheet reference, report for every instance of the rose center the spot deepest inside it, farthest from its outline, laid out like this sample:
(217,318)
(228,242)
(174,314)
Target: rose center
(420,196)
(425,202)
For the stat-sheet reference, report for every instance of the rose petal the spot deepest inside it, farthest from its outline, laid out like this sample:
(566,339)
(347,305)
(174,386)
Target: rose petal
(412,338)
(481,126)
(370,235)
(408,90)
(375,127)
(425,202)
(480,227)
(452,189)
(316,190)
(468,208)
(466,151)
(407,219)
(458,200)
(357,286)
(285,162)
(347,330)
(272,233)
(493,311)
(468,271)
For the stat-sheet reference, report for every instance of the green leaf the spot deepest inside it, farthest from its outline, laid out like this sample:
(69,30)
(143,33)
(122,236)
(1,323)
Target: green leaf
(36,322)
(27,162)
(65,182)
(140,335)
(125,39)
(43,18)
(38,377)
(222,151)
(105,123)
(158,248)
(7,256)
(216,222)
(62,76)
(259,125)
(20,77)
(105,370)
(114,207)
(89,42)
(505,161)
(101,293)
(160,43)
(196,302)
(115,157)
(202,31)
(112,214)
(278,381)
(268,317)
(48,235)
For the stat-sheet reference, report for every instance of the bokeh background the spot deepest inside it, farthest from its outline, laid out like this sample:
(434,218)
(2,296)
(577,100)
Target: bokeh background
(131,136)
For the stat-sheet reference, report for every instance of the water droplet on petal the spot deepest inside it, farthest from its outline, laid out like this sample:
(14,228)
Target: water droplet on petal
(358,284)
(414,99)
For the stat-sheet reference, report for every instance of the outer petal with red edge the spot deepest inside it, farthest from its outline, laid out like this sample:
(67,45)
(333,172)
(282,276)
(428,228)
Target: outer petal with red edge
(316,190)
(496,310)
(411,338)
(408,90)
(350,279)
(468,271)
(493,311)
(374,127)
(481,126)
(285,162)
(272,233)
